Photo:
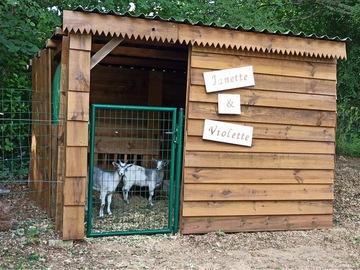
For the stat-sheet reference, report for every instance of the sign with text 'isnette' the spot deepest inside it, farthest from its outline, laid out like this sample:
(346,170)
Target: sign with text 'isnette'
(228,79)
(227,133)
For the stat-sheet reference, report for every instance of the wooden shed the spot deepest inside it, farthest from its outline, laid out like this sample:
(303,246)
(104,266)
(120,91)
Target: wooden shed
(282,180)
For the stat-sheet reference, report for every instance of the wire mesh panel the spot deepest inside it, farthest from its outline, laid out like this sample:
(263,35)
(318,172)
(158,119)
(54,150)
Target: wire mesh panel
(132,161)
(26,186)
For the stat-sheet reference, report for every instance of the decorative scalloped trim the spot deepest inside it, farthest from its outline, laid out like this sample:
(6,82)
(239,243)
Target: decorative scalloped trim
(86,23)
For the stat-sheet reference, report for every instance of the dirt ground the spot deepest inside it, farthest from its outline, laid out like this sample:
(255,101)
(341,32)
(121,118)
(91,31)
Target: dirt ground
(336,248)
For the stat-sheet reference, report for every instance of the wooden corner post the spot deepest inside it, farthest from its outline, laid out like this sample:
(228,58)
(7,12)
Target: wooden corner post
(76,135)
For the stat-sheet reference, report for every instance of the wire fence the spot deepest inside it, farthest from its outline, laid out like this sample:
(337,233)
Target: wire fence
(20,205)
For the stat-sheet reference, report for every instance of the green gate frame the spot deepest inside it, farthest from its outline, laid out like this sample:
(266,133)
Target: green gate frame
(175,169)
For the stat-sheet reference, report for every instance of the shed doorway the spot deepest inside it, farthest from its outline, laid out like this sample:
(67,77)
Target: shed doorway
(134,85)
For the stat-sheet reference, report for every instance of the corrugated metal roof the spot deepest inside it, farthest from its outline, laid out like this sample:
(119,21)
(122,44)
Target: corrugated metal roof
(214,25)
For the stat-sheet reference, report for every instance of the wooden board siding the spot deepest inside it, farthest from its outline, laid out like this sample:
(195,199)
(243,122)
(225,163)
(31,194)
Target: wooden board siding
(40,162)
(256,223)
(285,180)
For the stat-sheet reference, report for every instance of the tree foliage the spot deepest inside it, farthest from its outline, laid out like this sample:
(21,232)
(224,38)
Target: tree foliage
(26,24)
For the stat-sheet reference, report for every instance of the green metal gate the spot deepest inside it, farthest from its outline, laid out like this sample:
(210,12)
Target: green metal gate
(136,135)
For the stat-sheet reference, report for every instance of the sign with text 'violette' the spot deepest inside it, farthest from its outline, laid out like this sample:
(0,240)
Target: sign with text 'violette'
(228,79)
(227,133)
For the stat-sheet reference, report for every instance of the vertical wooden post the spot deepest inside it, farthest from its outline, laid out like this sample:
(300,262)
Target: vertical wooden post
(76,135)
(61,133)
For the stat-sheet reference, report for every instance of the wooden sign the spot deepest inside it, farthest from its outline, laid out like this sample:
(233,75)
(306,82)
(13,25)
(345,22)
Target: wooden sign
(229,104)
(227,133)
(228,79)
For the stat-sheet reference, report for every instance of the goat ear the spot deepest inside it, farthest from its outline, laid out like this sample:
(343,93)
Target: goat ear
(115,164)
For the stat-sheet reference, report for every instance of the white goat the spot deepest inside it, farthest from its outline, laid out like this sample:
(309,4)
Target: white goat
(106,182)
(143,177)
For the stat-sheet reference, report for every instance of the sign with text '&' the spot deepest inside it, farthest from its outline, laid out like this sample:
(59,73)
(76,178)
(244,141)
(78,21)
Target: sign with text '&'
(229,104)
(228,79)
(227,133)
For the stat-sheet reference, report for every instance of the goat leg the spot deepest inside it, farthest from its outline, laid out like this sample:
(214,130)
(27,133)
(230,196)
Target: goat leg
(102,198)
(109,197)
(151,194)
(125,195)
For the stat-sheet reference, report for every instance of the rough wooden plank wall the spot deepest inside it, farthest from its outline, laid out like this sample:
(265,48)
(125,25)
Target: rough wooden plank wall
(40,165)
(285,180)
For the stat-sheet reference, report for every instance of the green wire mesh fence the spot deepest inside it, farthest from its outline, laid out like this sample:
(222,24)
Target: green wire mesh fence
(138,136)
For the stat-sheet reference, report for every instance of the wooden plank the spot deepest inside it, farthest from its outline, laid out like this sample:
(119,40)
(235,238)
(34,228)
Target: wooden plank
(48,166)
(256,176)
(265,65)
(199,225)
(123,145)
(164,54)
(256,208)
(262,146)
(73,191)
(76,161)
(80,41)
(41,175)
(79,70)
(54,174)
(72,228)
(61,134)
(256,192)
(260,161)
(249,53)
(33,150)
(271,131)
(269,99)
(144,63)
(121,129)
(78,106)
(200,110)
(104,51)
(119,26)
(250,41)
(279,83)
(77,133)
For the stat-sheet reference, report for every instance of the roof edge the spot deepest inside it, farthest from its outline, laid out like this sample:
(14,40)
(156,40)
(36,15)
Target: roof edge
(196,34)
